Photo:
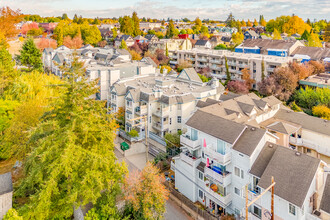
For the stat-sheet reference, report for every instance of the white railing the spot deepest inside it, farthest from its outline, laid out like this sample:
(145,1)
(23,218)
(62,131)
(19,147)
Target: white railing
(309,144)
(215,61)
(192,161)
(187,141)
(270,69)
(223,159)
(224,179)
(224,199)
(143,110)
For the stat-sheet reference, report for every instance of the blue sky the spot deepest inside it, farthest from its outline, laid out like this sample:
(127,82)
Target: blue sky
(213,9)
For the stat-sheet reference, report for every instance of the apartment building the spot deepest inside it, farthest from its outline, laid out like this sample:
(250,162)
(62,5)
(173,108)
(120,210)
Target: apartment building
(215,61)
(167,101)
(106,64)
(225,149)
(171,44)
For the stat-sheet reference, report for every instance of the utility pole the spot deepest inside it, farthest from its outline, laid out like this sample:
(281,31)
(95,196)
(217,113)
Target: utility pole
(247,204)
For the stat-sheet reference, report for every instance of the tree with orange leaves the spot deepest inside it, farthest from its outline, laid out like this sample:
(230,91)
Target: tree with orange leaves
(46,43)
(8,19)
(145,194)
(247,78)
(73,43)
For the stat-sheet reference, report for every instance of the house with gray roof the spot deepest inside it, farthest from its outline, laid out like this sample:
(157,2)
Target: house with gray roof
(240,140)
(6,193)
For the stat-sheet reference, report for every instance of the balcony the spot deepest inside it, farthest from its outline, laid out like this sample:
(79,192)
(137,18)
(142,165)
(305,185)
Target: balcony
(201,65)
(231,63)
(187,141)
(202,60)
(157,126)
(190,159)
(306,143)
(141,110)
(270,69)
(215,61)
(224,199)
(221,158)
(174,62)
(162,113)
(242,65)
(223,178)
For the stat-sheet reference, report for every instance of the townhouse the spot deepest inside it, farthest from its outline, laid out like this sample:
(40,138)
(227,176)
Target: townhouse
(225,150)
(106,64)
(172,45)
(127,38)
(216,60)
(311,53)
(167,101)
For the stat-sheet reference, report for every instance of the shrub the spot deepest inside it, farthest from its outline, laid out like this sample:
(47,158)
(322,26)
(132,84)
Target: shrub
(133,133)
(322,111)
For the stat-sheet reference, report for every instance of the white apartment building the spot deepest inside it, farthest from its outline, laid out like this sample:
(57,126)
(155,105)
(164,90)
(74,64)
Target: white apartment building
(225,148)
(107,64)
(166,100)
(258,64)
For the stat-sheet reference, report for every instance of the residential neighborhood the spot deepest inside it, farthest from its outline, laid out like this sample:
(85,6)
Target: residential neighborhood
(153,110)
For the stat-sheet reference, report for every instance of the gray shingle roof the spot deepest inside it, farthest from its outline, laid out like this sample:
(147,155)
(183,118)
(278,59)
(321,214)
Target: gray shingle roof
(315,53)
(216,126)
(268,44)
(249,140)
(306,121)
(192,75)
(325,202)
(201,42)
(6,184)
(283,127)
(292,172)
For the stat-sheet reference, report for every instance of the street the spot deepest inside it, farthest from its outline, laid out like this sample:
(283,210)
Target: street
(173,211)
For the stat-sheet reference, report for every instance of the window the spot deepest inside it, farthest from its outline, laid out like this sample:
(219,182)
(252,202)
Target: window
(309,151)
(170,121)
(200,175)
(200,194)
(239,172)
(221,147)
(292,209)
(179,119)
(257,211)
(194,134)
(237,191)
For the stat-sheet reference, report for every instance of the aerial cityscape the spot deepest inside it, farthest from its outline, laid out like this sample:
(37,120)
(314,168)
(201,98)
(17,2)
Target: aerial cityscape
(176,110)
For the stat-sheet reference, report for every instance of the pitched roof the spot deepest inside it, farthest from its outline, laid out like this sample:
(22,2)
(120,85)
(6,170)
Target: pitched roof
(140,38)
(123,52)
(315,53)
(135,93)
(120,88)
(216,126)
(268,43)
(325,201)
(226,39)
(201,42)
(150,36)
(293,172)
(6,184)
(191,73)
(253,33)
(283,127)
(249,140)
(306,121)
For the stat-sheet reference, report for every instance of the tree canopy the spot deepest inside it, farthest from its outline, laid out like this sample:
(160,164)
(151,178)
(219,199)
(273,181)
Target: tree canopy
(30,55)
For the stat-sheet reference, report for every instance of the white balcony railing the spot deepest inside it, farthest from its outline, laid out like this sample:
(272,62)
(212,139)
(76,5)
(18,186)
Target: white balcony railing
(142,110)
(164,112)
(221,158)
(215,61)
(309,144)
(187,141)
(224,199)
(224,179)
(270,69)
(189,159)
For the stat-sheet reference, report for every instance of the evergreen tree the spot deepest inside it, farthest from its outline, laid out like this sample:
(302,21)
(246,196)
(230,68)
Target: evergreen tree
(123,45)
(64,16)
(72,161)
(126,25)
(170,29)
(75,18)
(7,72)
(230,20)
(136,23)
(166,51)
(30,55)
(305,35)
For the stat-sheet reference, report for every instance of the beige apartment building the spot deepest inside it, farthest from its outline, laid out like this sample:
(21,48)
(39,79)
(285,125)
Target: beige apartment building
(167,101)
(258,64)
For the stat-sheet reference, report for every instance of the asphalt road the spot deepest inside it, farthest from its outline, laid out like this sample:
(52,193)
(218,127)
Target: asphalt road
(173,211)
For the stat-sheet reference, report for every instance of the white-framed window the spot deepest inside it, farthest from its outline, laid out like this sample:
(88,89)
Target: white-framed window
(200,175)
(239,172)
(237,191)
(257,211)
(200,194)
(128,103)
(292,209)
(179,119)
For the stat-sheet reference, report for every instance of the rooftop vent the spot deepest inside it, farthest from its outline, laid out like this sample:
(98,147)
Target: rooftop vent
(298,153)
(270,145)
(253,129)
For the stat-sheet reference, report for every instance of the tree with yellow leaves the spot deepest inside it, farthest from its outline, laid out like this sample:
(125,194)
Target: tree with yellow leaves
(314,40)
(322,111)
(277,35)
(237,38)
(243,23)
(249,24)
(296,25)
(255,23)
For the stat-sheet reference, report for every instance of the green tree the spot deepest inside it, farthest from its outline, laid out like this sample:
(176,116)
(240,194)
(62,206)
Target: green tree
(114,32)
(204,30)
(126,25)
(326,36)
(90,34)
(305,35)
(136,24)
(30,55)
(123,45)
(230,20)
(12,215)
(262,69)
(170,29)
(64,16)
(166,51)
(7,73)
(72,160)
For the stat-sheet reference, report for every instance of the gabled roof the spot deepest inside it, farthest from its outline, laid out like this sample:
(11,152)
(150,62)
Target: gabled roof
(293,172)
(325,201)
(226,39)
(150,36)
(139,38)
(135,94)
(216,126)
(48,50)
(6,184)
(252,33)
(283,127)
(123,52)
(268,44)
(190,74)
(249,140)
(201,42)
(120,88)
(315,53)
